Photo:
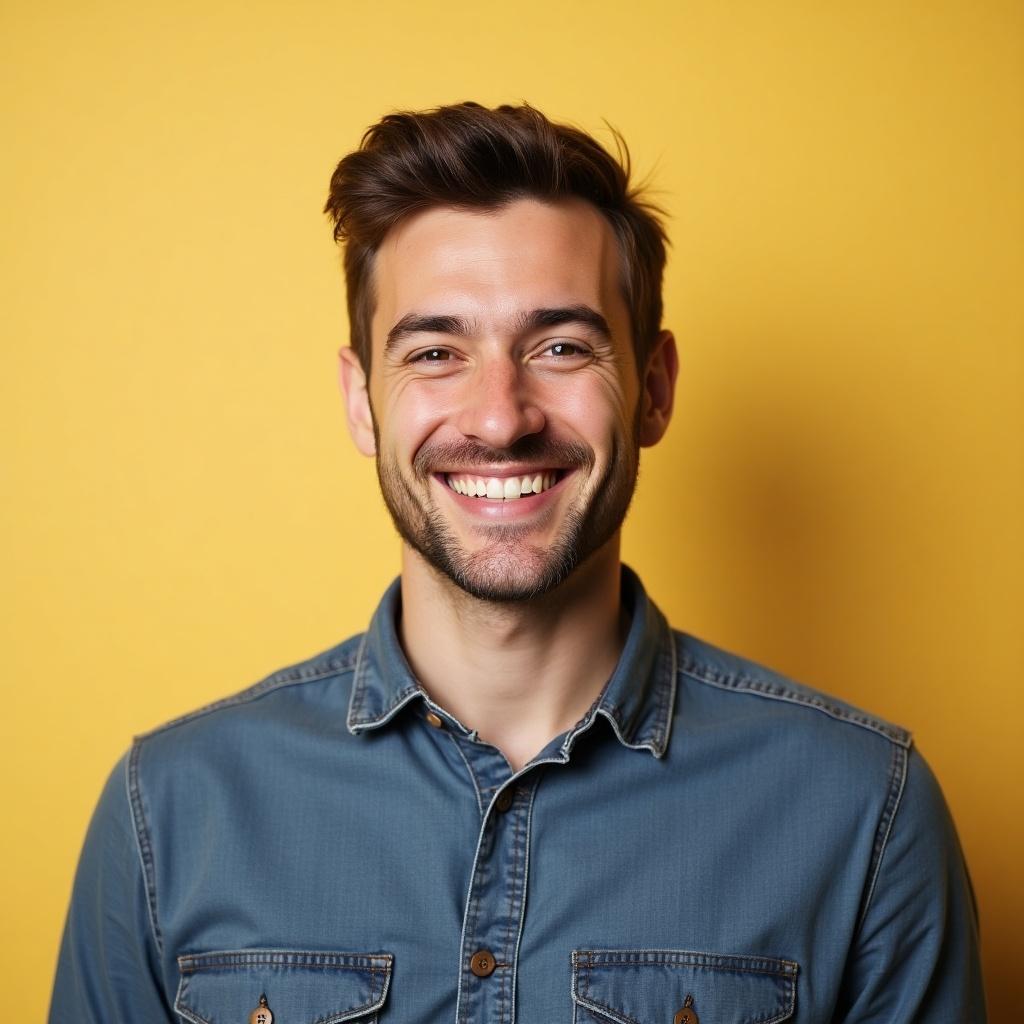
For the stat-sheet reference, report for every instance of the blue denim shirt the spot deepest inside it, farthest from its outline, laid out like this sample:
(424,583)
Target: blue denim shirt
(711,843)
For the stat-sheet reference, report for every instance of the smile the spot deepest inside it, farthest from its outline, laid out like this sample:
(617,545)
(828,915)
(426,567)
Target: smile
(502,488)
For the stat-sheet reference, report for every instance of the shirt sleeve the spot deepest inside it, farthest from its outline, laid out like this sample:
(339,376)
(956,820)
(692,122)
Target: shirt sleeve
(108,970)
(915,957)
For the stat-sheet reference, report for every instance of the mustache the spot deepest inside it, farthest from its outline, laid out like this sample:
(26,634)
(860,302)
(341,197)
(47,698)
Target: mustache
(538,450)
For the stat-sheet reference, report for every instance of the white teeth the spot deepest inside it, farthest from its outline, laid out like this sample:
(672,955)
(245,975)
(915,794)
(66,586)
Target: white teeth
(501,488)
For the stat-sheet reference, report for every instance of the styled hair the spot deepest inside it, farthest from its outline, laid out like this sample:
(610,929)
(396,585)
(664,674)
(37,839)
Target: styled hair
(471,157)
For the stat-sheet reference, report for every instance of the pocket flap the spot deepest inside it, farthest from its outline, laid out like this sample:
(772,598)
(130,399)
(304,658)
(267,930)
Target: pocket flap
(652,986)
(301,987)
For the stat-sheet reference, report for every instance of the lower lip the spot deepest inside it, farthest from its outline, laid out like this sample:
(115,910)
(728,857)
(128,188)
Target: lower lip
(493,508)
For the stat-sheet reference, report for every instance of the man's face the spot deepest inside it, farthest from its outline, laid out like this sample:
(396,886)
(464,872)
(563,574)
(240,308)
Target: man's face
(504,395)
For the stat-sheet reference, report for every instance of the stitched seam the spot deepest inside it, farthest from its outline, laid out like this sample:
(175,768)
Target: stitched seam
(370,964)
(608,713)
(513,889)
(469,920)
(786,977)
(396,702)
(356,697)
(143,843)
(597,958)
(526,888)
(594,1004)
(787,1009)
(776,691)
(469,769)
(265,686)
(896,784)
(194,968)
(705,967)
(287,958)
(667,694)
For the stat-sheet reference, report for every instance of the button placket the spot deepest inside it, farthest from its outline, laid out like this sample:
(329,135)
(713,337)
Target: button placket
(496,900)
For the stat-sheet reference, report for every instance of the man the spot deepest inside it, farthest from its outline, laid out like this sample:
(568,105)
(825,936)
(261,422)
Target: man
(519,796)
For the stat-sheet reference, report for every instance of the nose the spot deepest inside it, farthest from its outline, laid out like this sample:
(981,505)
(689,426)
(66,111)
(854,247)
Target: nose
(497,408)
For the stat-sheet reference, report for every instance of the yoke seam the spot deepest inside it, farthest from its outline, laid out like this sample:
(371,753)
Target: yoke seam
(269,685)
(897,783)
(776,691)
(143,843)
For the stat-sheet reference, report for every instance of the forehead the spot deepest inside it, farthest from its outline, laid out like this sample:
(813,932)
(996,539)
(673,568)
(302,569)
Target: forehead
(490,264)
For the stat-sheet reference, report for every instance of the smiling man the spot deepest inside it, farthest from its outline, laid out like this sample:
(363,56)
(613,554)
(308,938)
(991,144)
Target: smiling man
(519,796)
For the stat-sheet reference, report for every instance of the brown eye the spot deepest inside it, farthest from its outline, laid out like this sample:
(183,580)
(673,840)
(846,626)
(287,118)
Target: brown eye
(565,348)
(432,355)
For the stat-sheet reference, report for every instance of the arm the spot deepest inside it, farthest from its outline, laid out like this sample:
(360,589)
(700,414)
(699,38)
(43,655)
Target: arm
(915,956)
(108,971)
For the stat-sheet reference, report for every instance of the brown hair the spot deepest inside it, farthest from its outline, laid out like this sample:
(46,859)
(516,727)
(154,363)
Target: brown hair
(469,156)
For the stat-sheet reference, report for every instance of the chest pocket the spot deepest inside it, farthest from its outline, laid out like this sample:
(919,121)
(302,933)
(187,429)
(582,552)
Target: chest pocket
(662,986)
(300,987)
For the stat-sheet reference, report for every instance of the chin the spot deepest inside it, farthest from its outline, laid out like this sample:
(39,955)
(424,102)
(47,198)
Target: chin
(508,578)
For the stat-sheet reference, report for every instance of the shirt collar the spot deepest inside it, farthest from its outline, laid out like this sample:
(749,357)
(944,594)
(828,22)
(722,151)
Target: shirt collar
(637,700)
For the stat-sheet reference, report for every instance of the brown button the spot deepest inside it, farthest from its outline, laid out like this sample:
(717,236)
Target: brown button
(262,1014)
(687,1015)
(481,963)
(435,720)
(505,798)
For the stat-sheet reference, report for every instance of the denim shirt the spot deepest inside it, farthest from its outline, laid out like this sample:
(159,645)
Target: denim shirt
(710,844)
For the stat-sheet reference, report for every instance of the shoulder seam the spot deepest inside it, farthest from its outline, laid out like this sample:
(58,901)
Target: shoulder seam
(897,783)
(143,843)
(276,681)
(775,690)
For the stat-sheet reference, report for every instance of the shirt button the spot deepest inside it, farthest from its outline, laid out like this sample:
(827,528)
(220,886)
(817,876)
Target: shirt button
(687,1015)
(435,720)
(505,798)
(262,1014)
(481,963)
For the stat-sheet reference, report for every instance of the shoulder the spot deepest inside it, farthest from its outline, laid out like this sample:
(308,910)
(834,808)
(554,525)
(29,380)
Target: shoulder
(828,762)
(784,735)
(312,687)
(731,678)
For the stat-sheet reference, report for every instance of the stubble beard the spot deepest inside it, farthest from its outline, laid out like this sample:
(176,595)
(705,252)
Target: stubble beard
(508,568)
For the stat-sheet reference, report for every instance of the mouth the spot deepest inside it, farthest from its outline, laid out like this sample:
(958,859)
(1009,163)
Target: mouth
(503,488)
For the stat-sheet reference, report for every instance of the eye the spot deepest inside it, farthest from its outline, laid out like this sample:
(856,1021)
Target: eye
(565,348)
(564,351)
(431,355)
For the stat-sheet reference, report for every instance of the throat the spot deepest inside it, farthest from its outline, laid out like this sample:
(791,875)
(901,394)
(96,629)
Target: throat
(519,674)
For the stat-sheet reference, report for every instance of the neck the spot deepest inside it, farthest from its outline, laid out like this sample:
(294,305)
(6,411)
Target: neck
(519,673)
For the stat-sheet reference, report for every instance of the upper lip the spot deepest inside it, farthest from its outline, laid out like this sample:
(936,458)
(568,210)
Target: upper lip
(500,472)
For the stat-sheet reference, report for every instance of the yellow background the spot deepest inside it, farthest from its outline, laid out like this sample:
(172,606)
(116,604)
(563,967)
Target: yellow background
(840,495)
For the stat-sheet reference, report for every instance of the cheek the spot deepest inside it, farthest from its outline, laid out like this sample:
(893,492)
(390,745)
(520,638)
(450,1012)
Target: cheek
(413,414)
(590,409)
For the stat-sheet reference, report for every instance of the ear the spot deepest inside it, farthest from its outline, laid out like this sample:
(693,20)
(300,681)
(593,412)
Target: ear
(658,389)
(353,383)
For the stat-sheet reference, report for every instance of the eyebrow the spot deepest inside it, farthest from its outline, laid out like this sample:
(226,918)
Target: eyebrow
(426,323)
(556,316)
(534,319)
